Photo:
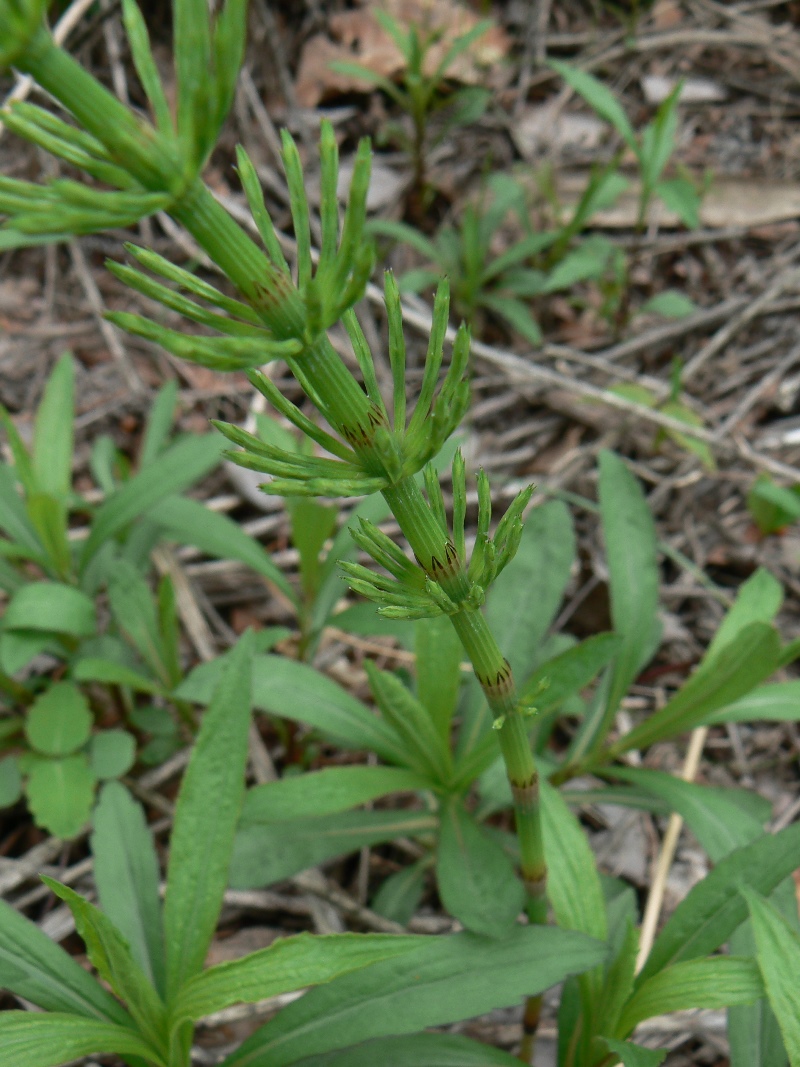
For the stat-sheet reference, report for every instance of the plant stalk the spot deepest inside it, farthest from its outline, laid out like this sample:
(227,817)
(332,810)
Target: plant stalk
(154,161)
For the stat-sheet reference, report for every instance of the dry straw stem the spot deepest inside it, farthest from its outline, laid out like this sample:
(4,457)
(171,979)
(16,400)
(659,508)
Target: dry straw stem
(655,899)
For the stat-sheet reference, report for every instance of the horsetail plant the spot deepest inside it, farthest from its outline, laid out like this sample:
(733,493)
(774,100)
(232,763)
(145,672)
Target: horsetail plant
(374,446)
(157,168)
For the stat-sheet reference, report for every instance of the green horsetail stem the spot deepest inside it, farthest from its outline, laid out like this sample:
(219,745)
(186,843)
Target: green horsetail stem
(154,160)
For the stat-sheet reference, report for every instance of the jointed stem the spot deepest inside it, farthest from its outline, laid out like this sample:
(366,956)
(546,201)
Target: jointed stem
(151,159)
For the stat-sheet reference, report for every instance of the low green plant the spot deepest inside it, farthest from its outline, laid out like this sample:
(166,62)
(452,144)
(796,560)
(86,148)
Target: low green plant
(377,447)
(56,585)
(422,94)
(676,408)
(652,147)
(772,506)
(481,283)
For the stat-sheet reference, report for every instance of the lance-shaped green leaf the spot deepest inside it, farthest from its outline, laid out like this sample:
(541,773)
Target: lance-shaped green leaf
(427,750)
(778,954)
(33,1039)
(709,982)
(476,879)
(631,1055)
(34,967)
(127,876)
(600,98)
(290,963)
(178,467)
(192,523)
(295,691)
(740,665)
(53,433)
(779,701)
(714,908)
(51,606)
(630,540)
(325,792)
(205,819)
(422,988)
(416,1050)
(111,955)
(265,853)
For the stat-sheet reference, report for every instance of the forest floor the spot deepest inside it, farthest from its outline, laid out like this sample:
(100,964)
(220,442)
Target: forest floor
(539,413)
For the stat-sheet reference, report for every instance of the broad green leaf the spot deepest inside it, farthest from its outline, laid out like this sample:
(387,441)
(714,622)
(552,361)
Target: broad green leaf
(587,262)
(312,525)
(676,409)
(475,877)
(289,963)
(53,431)
(60,794)
(50,518)
(206,814)
(426,749)
(631,1055)
(772,506)
(715,818)
(778,954)
(573,882)
(425,987)
(708,982)
(13,517)
(600,99)
(714,908)
(112,958)
(192,523)
(569,672)
(53,607)
(438,669)
(670,304)
(525,598)
(296,691)
(516,314)
(573,886)
(401,231)
(416,1050)
(159,420)
(19,647)
(740,665)
(95,669)
(34,967)
(324,792)
(127,876)
(134,609)
(658,139)
(174,470)
(59,721)
(36,1039)
(10,781)
(267,853)
(400,894)
(630,540)
(759,599)
(779,701)
(680,196)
